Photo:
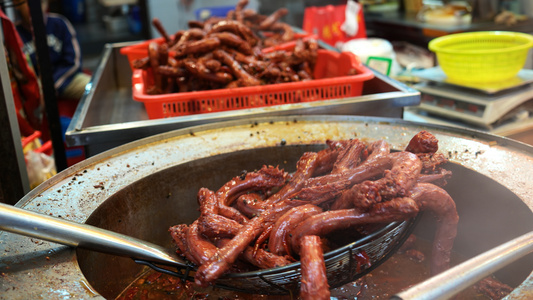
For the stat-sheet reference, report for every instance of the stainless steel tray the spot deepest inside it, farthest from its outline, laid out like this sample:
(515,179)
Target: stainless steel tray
(107,115)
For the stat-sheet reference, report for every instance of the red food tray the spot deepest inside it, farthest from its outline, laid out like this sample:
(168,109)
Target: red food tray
(330,83)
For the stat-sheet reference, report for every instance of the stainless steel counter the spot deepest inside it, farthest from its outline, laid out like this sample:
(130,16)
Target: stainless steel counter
(107,115)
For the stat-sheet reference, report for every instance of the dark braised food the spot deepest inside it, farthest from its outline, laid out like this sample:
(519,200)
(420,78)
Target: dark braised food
(265,218)
(228,52)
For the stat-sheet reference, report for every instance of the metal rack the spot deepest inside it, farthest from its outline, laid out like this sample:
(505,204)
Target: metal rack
(47,84)
(14,181)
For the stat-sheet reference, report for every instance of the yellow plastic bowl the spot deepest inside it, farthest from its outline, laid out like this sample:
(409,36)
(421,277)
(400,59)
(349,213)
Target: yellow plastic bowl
(484,56)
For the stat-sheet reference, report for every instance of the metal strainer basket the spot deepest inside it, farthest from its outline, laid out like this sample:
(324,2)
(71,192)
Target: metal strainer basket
(342,264)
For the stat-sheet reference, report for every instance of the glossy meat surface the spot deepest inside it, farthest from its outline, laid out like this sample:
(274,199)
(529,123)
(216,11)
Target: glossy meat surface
(263,218)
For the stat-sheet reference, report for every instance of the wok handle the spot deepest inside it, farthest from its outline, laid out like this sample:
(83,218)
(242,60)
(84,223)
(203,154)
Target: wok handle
(57,230)
(452,281)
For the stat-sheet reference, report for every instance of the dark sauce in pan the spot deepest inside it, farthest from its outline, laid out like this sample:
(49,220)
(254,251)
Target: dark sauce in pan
(400,271)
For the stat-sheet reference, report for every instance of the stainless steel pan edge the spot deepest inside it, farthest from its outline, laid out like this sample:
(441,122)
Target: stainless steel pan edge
(31,268)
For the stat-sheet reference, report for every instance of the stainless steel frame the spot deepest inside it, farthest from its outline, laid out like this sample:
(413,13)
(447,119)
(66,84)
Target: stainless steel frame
(14,182)
(108,117)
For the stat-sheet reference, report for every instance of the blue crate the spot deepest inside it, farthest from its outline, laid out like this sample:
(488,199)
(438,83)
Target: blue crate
(205,13)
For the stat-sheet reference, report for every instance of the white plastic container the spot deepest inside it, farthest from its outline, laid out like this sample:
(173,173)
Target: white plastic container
(374,52)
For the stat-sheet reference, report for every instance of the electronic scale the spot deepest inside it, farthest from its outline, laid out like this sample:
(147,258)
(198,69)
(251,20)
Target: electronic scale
(487,106)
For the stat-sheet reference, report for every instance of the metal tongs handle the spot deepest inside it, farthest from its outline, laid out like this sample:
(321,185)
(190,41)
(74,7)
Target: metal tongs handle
(450,282)
(32,224)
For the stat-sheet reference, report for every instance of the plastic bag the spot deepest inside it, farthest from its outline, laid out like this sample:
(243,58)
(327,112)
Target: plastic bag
(335,24)
(40,167)
(40,164)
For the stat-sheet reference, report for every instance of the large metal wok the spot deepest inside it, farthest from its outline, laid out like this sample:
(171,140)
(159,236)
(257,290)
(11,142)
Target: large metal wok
(142,188)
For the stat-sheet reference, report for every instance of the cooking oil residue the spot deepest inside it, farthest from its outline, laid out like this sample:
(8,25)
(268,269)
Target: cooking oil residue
(88,287)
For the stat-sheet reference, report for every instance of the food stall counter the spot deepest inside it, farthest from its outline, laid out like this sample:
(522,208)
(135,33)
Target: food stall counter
(107,115)
(401,26)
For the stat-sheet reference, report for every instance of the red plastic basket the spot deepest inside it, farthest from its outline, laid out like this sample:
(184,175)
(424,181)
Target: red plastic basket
(290,45)
(330,83)
(140,50)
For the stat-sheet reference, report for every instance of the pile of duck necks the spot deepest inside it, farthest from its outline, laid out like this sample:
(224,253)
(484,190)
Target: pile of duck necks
(270,218)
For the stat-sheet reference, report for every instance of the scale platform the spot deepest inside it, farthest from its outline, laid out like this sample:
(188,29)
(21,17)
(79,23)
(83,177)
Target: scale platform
(436,74)
(479,104)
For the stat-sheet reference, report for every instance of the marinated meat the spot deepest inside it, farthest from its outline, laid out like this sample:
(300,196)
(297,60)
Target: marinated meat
(270,218)
(435,199)
(314,280)
(236,43)
(278,242)
(334,220)
(223,259)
